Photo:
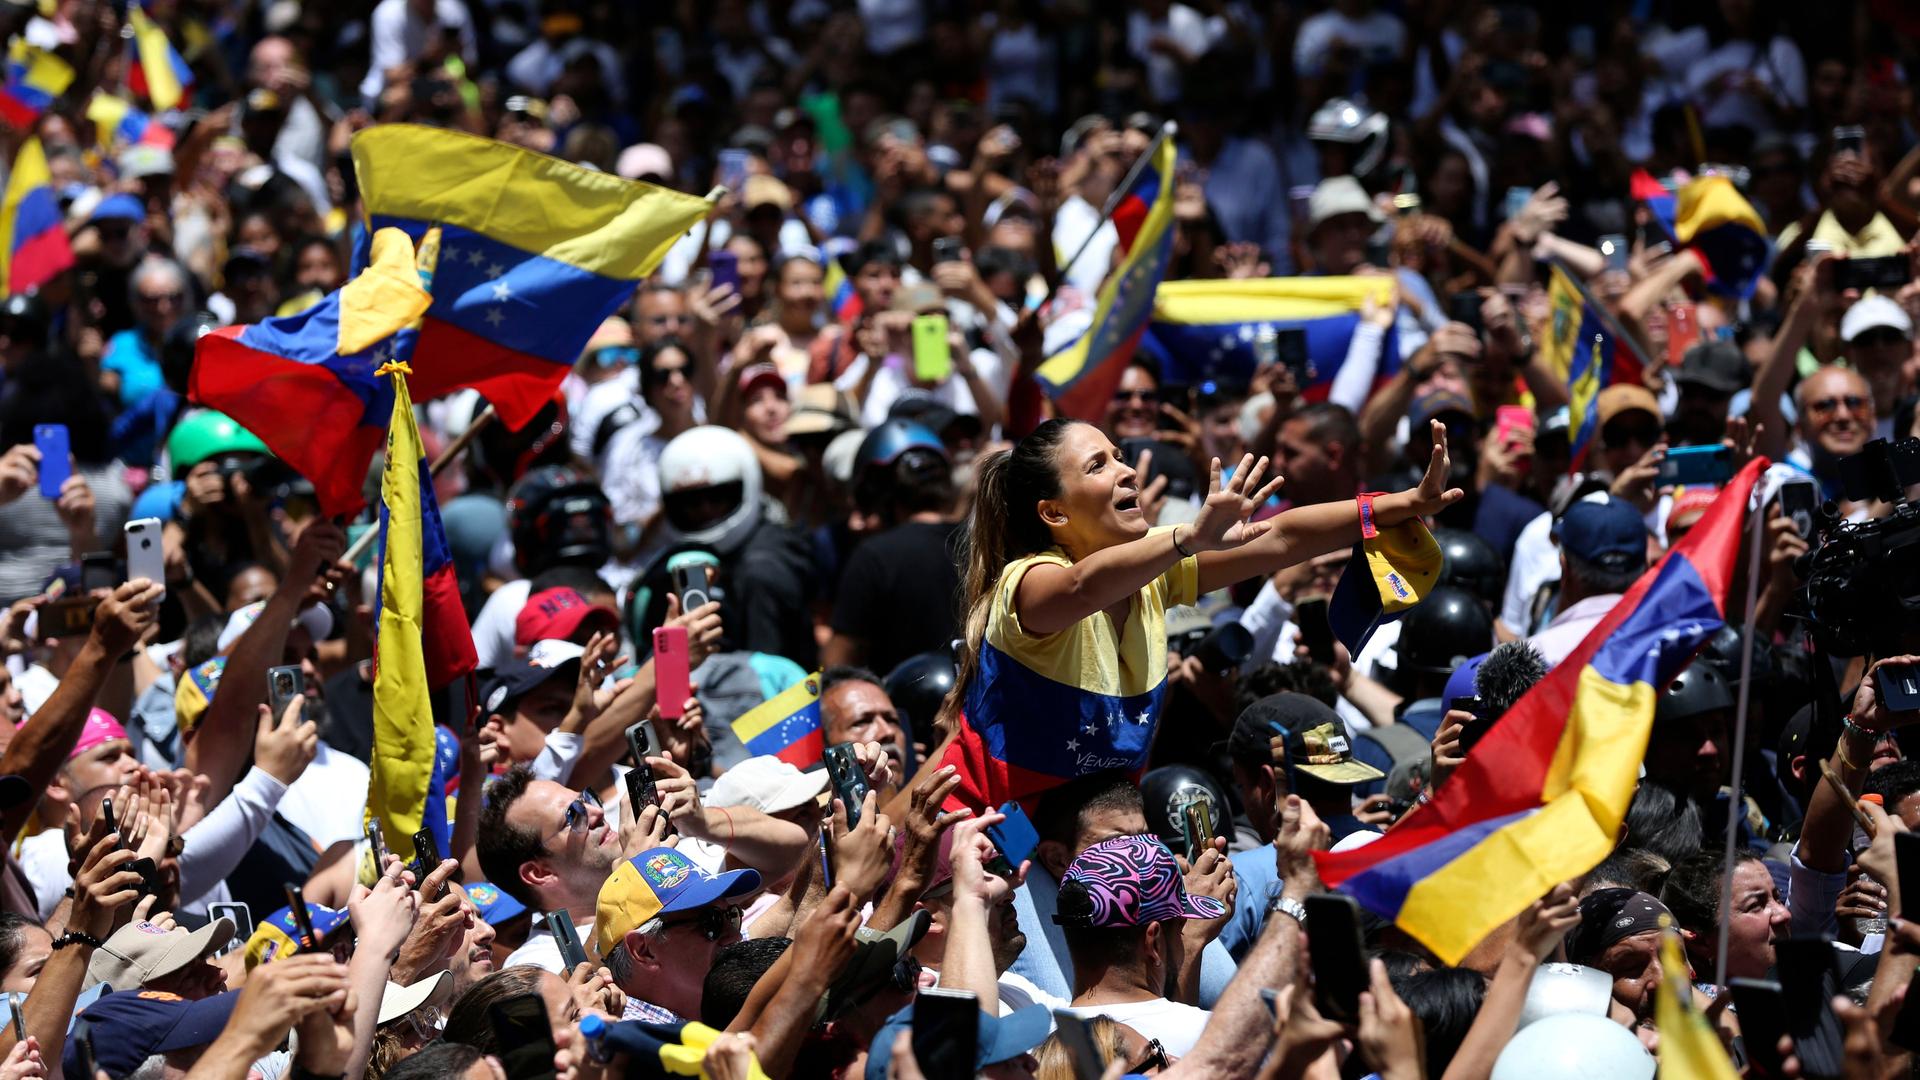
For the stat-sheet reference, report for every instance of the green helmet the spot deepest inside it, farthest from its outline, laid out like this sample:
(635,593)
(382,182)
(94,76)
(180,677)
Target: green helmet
(207,434)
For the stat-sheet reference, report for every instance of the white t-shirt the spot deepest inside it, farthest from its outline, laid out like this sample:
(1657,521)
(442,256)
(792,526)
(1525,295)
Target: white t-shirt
(1175,1024)
(1377,37)
(541,951)
(894,376)
(327,801)
(493,627)
(1075,221)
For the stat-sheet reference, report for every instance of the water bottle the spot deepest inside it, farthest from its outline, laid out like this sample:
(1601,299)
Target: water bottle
(593,1028)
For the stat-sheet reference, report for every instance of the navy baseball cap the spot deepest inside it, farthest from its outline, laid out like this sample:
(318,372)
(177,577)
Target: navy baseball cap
(1002,1038)
(1608,533)
(1461,682)
(131,1026)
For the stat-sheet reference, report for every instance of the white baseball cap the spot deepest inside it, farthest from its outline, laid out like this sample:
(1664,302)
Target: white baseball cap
(766,784)
(1871,313)
(1336,196)
(316,619)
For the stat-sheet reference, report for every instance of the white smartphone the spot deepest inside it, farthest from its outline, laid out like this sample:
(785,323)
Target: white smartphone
(146,553)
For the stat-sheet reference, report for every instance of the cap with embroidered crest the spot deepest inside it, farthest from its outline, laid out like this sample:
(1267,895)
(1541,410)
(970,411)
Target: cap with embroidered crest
(659,881)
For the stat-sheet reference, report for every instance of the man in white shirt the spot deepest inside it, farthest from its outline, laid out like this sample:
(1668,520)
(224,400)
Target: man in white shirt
(402,30)
(1603,550)
(1125,909)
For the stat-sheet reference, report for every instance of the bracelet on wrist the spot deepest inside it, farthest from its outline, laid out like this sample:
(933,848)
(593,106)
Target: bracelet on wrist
(1849,727)
(77,937)
(1175,533)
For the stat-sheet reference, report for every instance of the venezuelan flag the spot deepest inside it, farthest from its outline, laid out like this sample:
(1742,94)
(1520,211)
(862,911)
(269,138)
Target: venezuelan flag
(1710,217)
(34,78)
(535,253)
(156,70)
(117,123)
(1081,376)
(448,646)
(786,725)
(33,237)
(1689,1049)
(1541,798)
(308,384)
(404,744)
(657,1051)
(1210,329)
(1589,349)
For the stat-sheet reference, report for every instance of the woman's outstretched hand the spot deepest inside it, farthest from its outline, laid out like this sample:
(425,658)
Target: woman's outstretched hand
(1222,522)
(1433,494)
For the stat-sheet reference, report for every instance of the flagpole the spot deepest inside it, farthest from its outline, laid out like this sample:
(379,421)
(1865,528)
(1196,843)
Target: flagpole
(1167,131)
(1758,519)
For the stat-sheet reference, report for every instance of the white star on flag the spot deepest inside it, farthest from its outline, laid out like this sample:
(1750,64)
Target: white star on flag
(502,292)
(495,317)
(476,257)
(496,270)
(1073,746)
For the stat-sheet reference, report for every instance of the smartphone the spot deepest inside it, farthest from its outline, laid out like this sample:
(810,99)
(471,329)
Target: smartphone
(1338,956)
(1197,827)
(932,354)
(19,1025)
(849,780)
(946,249)
(1290,348)
(725,267)
(525,1037)
(100,570)
(1807,984)
(1078,1042)
(1683,331)
(1899,687)
(146,551)
(56,458)
(1509,421)
(284,684)
(113,823)
(1800,501)
(1013,839)
(690,582)
(1850,140)
(672,675)
(1464,307)
(733,169)
(1689,465)
(297,905)
(1883,272)
(1906,861)
(82,1035)
(572,953)
(377,839)
(640,785)
(1473,731)
(1316,633)
(1613,248)
(242,917)
(946,1033)
(1763,1019)
(1517,201)
(426,857)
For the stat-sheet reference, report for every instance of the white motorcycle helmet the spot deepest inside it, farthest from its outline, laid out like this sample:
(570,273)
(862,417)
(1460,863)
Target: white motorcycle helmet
(710,488)
(1351,123)
(1574,1046)
(1566,988)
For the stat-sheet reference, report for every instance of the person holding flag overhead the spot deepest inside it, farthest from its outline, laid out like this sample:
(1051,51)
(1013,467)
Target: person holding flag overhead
(1066,595)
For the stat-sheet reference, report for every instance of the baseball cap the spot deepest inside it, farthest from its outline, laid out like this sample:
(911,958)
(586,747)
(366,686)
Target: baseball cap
(315,619)
(1437,403)
(820,408)
(1461,682)
(755,374)
(100,727)
(397,1001)
(767,784)
(659,881)
(1000,1038)
(763,190)
(1390,572)
(1610,915)
(546,659)
(494,906)
(556,614)
(133,1025)
(1872,313)
(875,955)
(1625,397)
(195,693)
(1129,881)
(141,952)
(1608,533)
(142,160)
(277,936)
(1315,739)
(120,207)
(1718,366)
(1336,196)
(644,159)
(1795,738)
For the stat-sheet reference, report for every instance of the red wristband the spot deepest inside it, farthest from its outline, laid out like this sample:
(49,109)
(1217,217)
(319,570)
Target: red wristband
(1368,529)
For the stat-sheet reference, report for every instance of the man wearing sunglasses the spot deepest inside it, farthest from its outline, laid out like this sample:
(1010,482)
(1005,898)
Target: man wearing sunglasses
(659,921)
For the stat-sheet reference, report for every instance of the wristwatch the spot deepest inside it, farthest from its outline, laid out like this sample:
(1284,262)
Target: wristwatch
(1287,905)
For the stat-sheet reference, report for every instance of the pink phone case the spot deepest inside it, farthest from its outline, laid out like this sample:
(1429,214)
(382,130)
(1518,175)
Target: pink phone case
(670,671)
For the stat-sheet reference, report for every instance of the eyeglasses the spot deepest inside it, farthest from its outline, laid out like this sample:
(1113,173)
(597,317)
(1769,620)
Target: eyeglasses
(615,354)
(576,817)
(714,922)
(1155,1058)
(1148,396)
(428,1021)
(1827,406)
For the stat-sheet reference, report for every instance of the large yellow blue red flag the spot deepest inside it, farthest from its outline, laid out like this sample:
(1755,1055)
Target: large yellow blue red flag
(1689,1049)
(1081,376)
(1708,216)
(536,252)
(403,739)
(1541,798)
(786,726)
(1215,329)
(33,235)
(155,67)
(1587,348)
(34,78)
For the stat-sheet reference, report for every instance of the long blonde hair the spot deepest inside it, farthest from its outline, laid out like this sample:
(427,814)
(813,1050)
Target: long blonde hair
(1003,526)
(1056,1064)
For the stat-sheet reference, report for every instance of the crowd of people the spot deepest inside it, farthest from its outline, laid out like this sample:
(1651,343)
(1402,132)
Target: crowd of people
(1091,721)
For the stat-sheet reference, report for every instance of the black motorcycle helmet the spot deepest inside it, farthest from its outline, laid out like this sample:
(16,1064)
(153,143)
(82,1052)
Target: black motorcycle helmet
(1167,792)
(25,318)
(559,517)
(177,348)
(1446,628)
(1471,563)
(1723,652)
(919,686)
(1699,689)
(897,453)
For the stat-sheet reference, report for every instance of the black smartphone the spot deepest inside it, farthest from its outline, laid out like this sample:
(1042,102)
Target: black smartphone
(149,875)
(1882,272)
(297,905)
(1800,502)
(1850,140)
(1464,307)
(690,584)
(946,1033)
(1290,348)
(1078,1041)
(377,839)
(641,790)
(1906,862)
(1470,732)
(1899,686)
(426,858)
(284,683)
(1763,1019)
(113,824)
(572,953)
(525,1037)
(1808,984)
(849,780)
(946,249)
(1316,633)
(1339,956)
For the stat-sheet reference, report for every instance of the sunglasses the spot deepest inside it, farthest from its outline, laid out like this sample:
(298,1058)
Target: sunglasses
(1618,435)
(1827,406)
(615,354)
(1155,1058)
(1148,396)
(660,376)
(713,923)
(576,818)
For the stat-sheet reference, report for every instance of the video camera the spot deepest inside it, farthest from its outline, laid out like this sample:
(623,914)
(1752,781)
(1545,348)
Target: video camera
(1863,579)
